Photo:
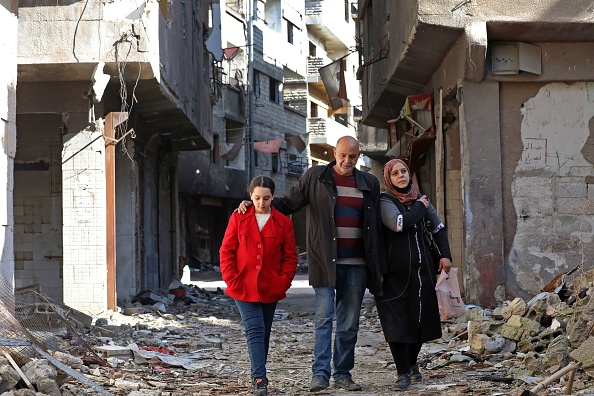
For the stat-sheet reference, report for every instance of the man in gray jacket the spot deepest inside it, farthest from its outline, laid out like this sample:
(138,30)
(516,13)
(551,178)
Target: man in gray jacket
(345,255)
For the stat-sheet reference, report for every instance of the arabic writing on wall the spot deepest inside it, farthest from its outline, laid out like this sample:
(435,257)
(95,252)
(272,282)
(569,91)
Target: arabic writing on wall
(534,154)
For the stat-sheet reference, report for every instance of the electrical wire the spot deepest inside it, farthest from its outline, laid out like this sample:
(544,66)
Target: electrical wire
(125,107)
(76,31)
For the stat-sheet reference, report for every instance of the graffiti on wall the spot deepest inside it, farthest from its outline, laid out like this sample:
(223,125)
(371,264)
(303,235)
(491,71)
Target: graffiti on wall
(534,154)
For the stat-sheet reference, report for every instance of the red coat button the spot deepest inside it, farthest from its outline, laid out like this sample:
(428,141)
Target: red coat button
(257,267)
(258,257)
(259,246)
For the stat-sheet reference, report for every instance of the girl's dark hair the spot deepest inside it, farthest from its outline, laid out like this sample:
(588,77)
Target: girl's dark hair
(261,181)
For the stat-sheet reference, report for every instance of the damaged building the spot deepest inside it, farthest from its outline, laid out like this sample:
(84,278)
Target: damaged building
(108,94)
(259,124)
(282,109)
(511,162)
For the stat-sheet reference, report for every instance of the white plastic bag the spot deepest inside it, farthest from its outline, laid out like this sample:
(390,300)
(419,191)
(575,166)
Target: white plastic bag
(448,295)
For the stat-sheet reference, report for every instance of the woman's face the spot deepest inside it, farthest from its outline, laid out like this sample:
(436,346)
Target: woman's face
(399,175)
(262,199)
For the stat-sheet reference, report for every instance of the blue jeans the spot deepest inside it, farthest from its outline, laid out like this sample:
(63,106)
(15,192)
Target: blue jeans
(351,281)
(257,321)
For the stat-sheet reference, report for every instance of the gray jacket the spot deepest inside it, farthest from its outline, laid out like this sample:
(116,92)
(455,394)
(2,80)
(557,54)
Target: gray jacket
(317,190)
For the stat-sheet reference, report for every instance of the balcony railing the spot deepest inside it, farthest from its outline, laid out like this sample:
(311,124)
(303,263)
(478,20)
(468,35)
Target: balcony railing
(295,165)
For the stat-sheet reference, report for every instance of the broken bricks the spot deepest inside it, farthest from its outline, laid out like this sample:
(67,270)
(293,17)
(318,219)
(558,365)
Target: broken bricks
(517,307)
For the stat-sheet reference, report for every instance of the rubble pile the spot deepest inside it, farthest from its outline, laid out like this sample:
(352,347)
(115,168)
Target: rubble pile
(190,341)
(526,341)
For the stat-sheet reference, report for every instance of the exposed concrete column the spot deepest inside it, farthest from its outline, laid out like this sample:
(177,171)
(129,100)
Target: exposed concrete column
(84,220)
(482,190)
(127,209)
(8,78)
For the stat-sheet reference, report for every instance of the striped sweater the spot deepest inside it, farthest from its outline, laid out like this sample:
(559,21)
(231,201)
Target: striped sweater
(348,217)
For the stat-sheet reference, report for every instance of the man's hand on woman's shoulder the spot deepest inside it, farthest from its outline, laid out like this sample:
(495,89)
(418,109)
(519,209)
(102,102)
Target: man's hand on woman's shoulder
(243,206)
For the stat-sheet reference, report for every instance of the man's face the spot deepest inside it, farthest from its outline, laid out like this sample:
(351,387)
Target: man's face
(346,154)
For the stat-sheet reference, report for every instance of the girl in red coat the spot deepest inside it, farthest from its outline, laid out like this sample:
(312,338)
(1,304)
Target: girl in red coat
(258,263)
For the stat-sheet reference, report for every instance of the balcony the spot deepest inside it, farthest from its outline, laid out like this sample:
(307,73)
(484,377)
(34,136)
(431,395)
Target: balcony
(324,20)
(278,52)
(326,131)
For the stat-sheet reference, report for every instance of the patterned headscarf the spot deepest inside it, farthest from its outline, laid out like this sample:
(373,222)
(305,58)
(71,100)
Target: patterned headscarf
(405,195)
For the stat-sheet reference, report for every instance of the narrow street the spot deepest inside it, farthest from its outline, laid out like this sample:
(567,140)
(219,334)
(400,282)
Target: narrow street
(210,326)
(189,340)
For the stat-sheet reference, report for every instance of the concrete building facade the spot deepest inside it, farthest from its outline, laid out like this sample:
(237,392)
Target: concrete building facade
(8,83)
(259,124)
(511,166)
(109,93)
(331,36)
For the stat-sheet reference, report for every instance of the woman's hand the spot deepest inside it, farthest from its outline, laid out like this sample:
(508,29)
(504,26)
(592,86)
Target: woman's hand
(445,264)
(243,206)
(424,200)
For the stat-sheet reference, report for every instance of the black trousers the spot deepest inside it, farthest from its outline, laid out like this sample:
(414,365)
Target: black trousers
(405,355)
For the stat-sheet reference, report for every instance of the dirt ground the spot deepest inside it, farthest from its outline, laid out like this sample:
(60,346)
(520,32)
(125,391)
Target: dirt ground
(290,359)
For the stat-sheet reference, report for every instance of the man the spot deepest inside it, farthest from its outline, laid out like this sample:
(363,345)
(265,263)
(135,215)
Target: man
(345,255)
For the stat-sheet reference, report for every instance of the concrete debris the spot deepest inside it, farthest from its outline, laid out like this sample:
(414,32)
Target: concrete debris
(48,386)
(9,376)
(69,360)
(37,370)
(194,344)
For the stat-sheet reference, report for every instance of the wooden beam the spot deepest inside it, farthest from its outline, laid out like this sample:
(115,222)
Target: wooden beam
(112,120)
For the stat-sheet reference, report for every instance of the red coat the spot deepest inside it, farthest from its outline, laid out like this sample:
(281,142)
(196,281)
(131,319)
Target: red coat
(258,266)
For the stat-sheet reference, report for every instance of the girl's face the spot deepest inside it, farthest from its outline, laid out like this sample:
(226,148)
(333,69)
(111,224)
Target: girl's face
(262,199)
(399,175)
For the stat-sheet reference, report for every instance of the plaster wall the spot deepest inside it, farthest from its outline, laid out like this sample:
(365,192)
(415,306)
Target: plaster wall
(82,31)
(552,201)
(8,84)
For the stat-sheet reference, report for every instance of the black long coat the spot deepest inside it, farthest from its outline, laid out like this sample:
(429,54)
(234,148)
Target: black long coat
(408,308)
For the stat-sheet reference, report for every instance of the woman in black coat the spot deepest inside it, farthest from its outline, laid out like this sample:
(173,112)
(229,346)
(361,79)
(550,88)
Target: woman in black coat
(408,308)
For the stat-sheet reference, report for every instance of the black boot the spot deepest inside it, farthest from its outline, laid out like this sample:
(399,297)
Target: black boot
(415,374)
(403,381)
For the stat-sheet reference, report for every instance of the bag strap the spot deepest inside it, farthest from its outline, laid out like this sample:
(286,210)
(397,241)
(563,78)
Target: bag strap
(430,235)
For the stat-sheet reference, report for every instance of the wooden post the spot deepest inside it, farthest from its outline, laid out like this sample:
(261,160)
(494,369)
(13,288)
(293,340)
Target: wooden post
(439,158)
(111,122)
